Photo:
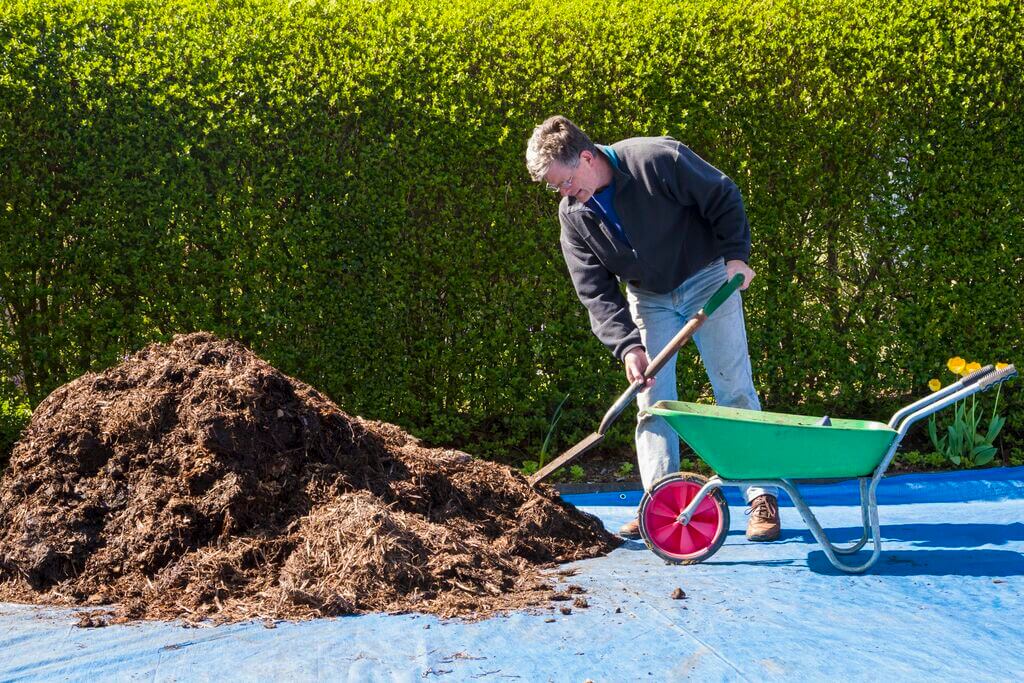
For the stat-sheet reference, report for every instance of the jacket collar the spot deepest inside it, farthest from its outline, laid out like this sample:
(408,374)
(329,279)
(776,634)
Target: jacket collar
(621,176)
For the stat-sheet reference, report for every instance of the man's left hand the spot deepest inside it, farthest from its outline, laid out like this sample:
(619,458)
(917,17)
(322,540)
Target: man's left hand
(736,266)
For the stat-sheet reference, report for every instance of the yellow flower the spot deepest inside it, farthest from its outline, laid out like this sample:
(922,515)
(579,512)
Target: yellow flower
(934,384)
(1000,366)
(971,367)
(956,364)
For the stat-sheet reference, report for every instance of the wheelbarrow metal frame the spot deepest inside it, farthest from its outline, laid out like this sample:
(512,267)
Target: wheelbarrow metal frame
(900,421)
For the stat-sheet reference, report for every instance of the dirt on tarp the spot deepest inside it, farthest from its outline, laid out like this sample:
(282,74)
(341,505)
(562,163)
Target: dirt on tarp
(194,481)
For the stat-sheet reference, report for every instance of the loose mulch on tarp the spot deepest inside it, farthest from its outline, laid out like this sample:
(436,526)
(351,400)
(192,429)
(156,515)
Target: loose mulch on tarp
(194,481)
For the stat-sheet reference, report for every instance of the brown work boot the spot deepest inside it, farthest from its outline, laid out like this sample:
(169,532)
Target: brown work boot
(763,524)
(630,529)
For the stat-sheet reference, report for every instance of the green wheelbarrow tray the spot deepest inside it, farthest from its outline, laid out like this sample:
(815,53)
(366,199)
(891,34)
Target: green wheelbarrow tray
(750,444)
(684,517)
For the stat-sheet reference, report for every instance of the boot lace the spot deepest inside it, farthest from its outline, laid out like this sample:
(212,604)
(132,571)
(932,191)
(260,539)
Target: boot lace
(763,508)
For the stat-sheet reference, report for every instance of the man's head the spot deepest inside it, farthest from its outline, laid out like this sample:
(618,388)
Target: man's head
(562,155)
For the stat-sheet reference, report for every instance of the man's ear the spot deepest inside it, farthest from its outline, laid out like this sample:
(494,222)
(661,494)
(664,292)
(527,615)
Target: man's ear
(587,155)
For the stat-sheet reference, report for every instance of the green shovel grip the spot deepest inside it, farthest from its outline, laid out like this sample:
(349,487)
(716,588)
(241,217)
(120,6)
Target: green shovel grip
(723,293)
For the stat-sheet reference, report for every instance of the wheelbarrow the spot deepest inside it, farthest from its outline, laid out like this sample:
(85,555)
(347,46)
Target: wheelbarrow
(684,518)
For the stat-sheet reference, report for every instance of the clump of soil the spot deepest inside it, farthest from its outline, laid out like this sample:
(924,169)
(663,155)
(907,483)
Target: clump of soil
(194,481)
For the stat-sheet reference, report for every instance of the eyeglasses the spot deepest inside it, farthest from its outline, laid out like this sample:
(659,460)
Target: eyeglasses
(564,185)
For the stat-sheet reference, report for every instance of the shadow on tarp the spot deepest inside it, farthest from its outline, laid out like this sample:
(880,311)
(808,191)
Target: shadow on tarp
(946,562)
(922,535)
(997,483)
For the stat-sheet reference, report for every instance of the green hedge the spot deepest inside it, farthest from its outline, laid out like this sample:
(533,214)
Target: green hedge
(14,415)
(342,187)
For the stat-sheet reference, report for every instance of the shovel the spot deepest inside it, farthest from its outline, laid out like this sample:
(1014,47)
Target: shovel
(684,335)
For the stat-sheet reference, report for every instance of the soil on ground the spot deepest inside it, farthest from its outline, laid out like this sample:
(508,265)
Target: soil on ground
(194,481)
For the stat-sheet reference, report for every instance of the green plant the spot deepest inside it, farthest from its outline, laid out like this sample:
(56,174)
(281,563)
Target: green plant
(14,415)
(577,473)
(694,464)
(531,466)
(924,461)
(1016,458)
(548,438)
(963,443)
(625,470)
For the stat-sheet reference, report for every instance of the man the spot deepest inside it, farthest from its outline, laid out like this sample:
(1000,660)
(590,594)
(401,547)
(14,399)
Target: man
(652,214)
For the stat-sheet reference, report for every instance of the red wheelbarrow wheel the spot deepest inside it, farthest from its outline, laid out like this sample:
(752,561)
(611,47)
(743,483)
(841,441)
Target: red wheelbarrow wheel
(683,543)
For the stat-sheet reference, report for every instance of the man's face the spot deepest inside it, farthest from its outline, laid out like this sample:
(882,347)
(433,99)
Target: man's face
(579,182)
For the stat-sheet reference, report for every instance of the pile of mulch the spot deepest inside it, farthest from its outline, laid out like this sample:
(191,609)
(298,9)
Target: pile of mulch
(194,481)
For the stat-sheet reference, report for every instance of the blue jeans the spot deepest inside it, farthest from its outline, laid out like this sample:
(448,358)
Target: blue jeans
(722,344)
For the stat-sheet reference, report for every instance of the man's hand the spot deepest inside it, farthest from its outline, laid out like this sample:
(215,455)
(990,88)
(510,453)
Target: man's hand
(736,266)
(636,362)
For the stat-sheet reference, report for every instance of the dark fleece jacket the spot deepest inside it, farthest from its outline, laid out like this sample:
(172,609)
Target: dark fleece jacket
(678,212)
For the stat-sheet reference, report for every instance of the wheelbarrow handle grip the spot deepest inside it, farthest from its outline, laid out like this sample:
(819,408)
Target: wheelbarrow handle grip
(973,377)
(997,377)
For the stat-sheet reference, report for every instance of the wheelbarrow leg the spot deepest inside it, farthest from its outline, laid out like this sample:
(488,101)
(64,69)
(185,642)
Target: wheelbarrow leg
(849,550)
(870,514)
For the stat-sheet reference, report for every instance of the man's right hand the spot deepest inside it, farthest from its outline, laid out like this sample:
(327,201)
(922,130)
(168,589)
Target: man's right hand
(636,363)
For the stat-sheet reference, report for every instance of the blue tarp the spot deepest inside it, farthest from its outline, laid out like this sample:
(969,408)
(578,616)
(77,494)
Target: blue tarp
(945,601)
